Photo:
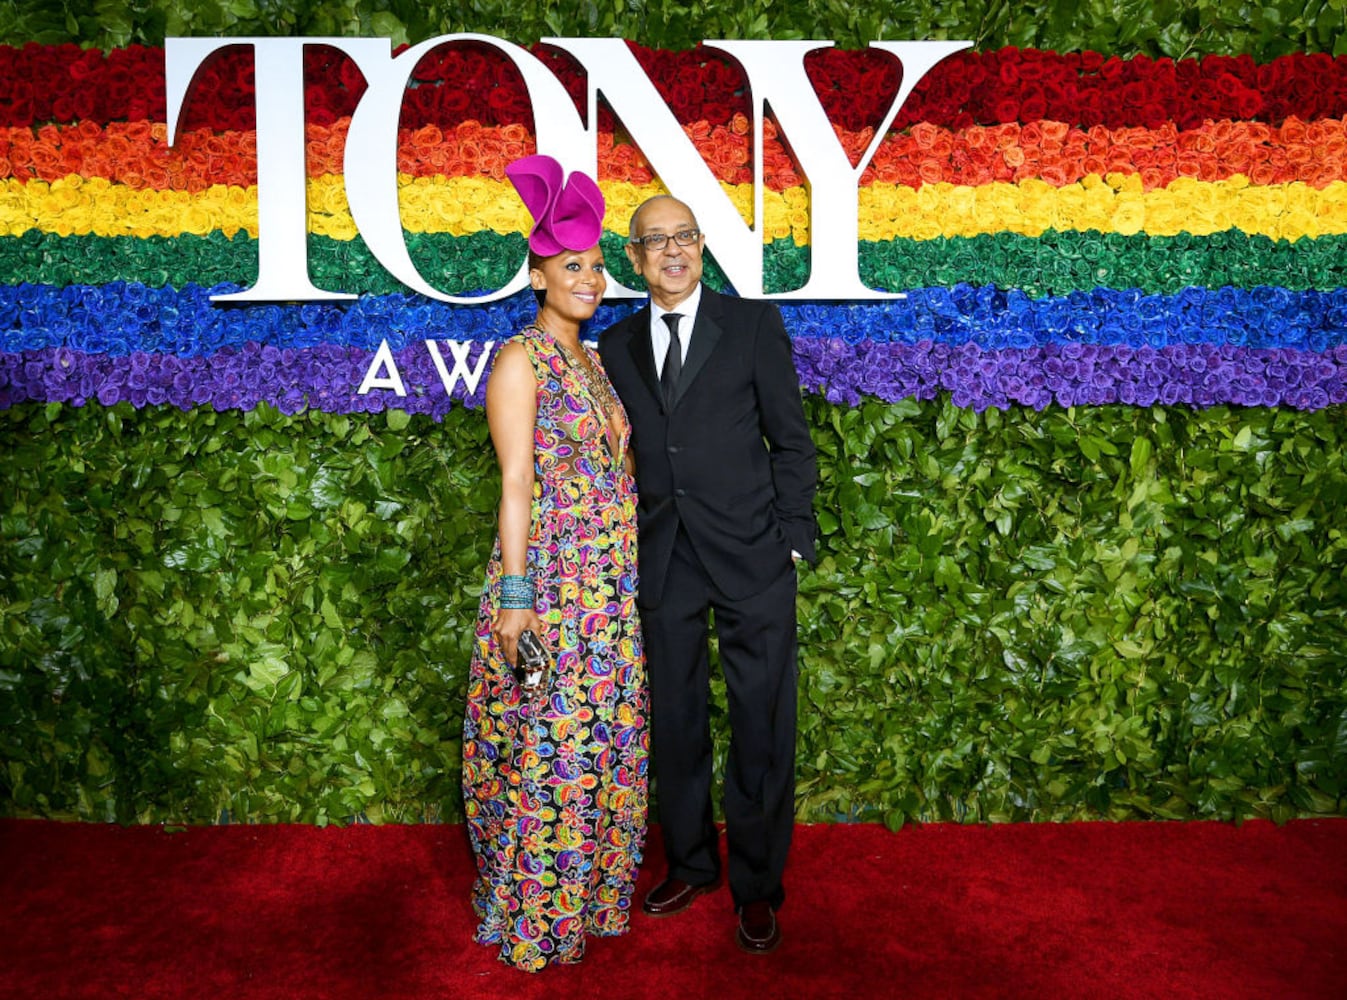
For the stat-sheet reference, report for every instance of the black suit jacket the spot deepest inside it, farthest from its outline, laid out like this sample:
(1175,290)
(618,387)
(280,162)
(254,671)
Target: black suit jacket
(732,459)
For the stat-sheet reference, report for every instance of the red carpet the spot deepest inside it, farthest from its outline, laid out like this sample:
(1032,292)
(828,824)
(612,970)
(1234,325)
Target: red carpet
(1027,910)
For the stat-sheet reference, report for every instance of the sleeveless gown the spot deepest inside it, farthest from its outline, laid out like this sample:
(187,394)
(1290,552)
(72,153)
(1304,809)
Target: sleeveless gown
(555,789)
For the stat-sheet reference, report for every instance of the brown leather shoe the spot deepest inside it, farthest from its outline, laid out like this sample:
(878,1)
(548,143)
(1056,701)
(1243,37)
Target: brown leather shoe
(673,895)
(759,932)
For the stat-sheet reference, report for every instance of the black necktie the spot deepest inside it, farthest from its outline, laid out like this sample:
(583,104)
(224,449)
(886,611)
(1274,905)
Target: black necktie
(673,359)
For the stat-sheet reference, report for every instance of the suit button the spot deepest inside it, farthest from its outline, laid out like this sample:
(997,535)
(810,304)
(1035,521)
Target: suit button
(680,493)
(673,449)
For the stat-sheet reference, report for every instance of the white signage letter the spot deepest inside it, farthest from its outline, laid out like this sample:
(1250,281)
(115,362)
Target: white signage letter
(612,68)
(371,154)
(459,349)
(282,219)
(776,74)
(383,361)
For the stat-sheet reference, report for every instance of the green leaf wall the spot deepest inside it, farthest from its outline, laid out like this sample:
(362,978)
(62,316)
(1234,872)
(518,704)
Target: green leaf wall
(1175,28)
(1016,615)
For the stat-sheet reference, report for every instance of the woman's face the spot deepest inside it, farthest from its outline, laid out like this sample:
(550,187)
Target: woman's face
(574,282)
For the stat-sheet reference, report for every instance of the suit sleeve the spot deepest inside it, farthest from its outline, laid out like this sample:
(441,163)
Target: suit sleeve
(783,424)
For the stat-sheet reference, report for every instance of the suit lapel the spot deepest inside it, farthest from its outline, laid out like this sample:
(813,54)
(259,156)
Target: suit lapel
(706,332)
(642,351)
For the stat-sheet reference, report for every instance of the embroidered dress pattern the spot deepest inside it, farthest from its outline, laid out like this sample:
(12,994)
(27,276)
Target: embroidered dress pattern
(555,788)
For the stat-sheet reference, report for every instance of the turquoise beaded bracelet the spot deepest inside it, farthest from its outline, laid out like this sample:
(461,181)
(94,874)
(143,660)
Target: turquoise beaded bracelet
(516,592)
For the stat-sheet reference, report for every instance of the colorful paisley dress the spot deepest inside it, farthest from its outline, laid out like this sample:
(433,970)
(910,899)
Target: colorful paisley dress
(555,788)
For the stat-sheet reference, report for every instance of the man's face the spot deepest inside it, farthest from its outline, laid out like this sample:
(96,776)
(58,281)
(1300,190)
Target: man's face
(672,271)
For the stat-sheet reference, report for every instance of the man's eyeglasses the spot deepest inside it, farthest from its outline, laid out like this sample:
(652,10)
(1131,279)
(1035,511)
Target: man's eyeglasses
(658,241)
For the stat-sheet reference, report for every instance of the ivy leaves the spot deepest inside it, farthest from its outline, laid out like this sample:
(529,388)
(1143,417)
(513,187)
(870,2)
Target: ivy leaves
(244,615)
(1015,614)
(1116,27)
(1086,612)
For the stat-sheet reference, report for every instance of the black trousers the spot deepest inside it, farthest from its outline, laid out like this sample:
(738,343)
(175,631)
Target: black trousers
(758,658)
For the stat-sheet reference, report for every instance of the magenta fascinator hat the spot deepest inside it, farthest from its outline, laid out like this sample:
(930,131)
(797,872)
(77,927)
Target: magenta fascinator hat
(566,216)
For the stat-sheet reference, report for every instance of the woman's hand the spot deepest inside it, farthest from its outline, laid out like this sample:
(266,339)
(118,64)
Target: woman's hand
(508,624)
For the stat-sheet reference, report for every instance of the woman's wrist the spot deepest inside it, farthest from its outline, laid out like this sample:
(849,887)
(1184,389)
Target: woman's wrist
(516,592)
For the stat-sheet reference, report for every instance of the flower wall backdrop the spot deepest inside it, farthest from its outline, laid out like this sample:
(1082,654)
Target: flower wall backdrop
(1081,489)
(1074,229)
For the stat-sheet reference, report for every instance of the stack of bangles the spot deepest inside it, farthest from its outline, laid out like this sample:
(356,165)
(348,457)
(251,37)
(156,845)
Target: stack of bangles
(516,592)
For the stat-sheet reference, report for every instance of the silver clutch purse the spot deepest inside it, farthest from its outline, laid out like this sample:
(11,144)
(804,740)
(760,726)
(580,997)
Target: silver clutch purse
(531,662)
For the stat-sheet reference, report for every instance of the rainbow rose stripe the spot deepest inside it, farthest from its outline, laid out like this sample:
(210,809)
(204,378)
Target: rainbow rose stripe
(64,83)
(137,154)
(77,206)
(1071,374)
(1069,229)
(1267,347)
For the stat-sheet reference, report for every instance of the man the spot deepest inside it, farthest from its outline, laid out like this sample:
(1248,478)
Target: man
(725,471)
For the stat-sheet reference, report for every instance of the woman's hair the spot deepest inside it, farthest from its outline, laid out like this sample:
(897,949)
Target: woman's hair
(536,264)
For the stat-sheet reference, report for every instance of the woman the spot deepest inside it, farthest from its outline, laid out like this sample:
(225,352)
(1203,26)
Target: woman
(554,780)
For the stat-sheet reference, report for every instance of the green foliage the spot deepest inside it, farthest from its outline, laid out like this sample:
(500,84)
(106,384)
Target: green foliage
(1101,612)
(1077,613)
(1176,28)
(250,615)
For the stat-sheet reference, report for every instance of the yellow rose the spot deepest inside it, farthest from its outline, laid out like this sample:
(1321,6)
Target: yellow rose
(776,219)
(1299,221)
(1036,203)
(1129,215)
(925,227)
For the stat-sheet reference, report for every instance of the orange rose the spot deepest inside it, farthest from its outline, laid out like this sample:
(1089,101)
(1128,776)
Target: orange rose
(1263,173)
(1013,156)
(1292,130)
(1153,178)
(1299,154)
(1055,131)
(427,136)
(1237,156)
(923,134)
(1056,170)
(46,159)
(886,172)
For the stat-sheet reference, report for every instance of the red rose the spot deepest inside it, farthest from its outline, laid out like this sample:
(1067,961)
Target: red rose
(1030,65)
(1007,110)
(1033,104)
(1249,103)
(1152,115)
